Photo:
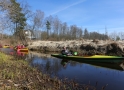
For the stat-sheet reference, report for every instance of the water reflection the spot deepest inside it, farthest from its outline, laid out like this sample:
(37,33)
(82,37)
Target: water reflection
(16,54)
(100,74)
(46,59)
(47,65)
(64,62)
(115,66)
(110,74)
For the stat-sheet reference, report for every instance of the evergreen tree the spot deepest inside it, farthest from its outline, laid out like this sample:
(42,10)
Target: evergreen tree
(17,17)
(48,28)
(117,38)
(86,34)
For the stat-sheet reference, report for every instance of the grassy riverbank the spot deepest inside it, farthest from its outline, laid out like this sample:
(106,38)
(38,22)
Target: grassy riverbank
(16,74)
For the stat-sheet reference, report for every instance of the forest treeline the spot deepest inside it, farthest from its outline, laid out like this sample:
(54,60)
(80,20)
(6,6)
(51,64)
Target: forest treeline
(17,18)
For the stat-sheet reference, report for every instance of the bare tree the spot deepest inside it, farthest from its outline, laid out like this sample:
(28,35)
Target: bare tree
(79,33)
(113,35)
(73,31)
(64,29)
(56,24)
(36,22)
(121,35)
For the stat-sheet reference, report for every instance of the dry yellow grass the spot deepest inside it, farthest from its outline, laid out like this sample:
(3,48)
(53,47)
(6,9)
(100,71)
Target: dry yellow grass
(16,74)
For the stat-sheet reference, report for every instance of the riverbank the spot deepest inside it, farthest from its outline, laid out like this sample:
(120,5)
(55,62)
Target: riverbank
(16,74)
(87,47)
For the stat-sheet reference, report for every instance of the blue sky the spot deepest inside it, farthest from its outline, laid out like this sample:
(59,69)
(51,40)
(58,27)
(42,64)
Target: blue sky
(94,15)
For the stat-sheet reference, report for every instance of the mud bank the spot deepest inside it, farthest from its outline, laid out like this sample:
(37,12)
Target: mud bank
(87,47)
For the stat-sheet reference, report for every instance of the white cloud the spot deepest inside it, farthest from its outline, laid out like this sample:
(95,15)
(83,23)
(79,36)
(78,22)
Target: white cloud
(93,15)
(76,3)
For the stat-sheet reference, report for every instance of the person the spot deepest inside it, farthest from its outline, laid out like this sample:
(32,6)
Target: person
(18,47)
(65,51)
(64,62)
(22,46)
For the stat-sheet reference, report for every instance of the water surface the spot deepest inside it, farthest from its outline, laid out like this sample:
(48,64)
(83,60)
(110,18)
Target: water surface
(95,74)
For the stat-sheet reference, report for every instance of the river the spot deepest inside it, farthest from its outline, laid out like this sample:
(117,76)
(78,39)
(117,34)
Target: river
(109,76)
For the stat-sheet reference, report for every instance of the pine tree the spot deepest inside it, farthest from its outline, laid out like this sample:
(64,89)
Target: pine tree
(48,28)
(17,17)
